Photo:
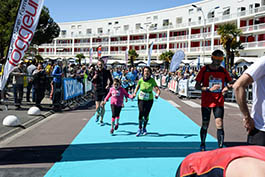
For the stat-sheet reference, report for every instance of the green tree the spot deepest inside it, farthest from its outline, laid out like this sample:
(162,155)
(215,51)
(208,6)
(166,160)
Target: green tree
(46,30)
(133,55)
(229,39)
(166,58)
(80,56)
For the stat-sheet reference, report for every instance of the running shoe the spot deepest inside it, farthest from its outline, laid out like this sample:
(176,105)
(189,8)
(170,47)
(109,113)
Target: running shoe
(97,118)
(101,123)
(111,131)
(202,148)
(116,126)
(139,132)
(144,131)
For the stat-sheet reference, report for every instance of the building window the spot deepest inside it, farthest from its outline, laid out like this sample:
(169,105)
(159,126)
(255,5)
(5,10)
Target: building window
(155,17)
(189,20)
(148,19)
(72,34)
(63,32)
(73,27)
(89,31)
(191,11)
(109,23)
(116,22)
(100,30)
(80,32)
(126,27)
(226,11)
(179,20)
(166,22)
(137,26)
(79,26)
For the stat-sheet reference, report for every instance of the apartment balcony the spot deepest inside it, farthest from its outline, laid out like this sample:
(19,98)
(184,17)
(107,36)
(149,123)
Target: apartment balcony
(138,41)
(118,43)
(254,45)
(178,38)
(201,35)
(253,28)
(64,45)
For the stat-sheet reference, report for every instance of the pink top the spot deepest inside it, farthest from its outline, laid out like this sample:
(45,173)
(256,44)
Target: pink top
(117,96)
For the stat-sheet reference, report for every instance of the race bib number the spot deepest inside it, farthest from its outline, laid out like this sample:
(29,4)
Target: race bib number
(144,96)
(116,93)
(216,82)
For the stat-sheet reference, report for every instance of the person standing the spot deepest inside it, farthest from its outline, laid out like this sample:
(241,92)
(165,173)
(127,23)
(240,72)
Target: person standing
(57,86)
(254,122)
(102,80)
(145,98)
(39,82)
(30,70)
(211,81)
(18,84)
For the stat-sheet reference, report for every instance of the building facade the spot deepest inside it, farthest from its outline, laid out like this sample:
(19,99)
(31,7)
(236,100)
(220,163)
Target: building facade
(191,28)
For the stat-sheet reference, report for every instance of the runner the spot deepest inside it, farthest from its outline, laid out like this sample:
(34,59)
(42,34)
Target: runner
(117,93)
(210,80)
(131,79)
(145,98)
(101,80)
(241,161)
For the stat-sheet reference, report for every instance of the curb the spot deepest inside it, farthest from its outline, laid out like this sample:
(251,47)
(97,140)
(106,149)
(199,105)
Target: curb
(25,125)
(34,121)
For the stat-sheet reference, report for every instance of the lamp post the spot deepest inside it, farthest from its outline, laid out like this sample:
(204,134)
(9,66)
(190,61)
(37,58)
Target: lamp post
(204,27)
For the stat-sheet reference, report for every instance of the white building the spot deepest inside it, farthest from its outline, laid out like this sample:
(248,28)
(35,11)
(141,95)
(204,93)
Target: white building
(184,28)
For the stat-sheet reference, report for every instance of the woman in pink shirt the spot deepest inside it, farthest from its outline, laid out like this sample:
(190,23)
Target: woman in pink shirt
(117,93)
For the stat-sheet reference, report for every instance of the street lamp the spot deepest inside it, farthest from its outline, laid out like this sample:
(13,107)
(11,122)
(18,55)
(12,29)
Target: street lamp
(204,27)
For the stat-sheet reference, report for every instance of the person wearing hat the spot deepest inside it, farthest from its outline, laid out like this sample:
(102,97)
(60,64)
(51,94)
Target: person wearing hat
(211,81)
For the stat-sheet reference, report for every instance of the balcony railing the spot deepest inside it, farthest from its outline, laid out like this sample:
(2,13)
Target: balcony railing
(256,44)
(253,28)
(175,38)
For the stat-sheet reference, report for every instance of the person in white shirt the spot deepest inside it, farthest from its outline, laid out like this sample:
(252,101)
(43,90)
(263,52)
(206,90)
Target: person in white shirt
(254,122)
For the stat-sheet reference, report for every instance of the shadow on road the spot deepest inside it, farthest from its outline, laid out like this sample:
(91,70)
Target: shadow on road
(97,151)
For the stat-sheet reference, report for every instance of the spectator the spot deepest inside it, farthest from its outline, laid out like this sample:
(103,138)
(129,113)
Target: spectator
(57,86)
(30,70)
(39,82)
(254,122)
(18,84)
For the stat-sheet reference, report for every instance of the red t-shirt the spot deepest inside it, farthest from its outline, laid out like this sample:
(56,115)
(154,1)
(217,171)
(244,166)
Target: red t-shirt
(214,163)
(208,78)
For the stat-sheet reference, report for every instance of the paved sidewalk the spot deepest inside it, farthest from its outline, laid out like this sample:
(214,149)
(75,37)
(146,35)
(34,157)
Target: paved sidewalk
(25,119)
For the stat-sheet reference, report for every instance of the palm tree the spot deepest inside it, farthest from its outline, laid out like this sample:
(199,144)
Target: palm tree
(166,57)
(229,39)
(80,56)
(133,55)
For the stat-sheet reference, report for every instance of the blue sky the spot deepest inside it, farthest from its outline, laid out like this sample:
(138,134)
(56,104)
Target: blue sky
(82,10)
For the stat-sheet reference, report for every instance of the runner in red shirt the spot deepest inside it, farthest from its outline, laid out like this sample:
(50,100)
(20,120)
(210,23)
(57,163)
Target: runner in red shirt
(240,161)
(211,81)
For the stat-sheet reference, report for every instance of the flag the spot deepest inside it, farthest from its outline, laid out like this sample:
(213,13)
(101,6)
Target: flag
(26,22)
(150,54)
(99,51)
(176,60)
(126,56)
(90,55)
